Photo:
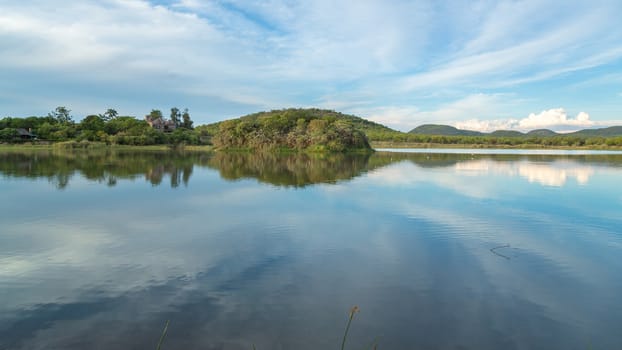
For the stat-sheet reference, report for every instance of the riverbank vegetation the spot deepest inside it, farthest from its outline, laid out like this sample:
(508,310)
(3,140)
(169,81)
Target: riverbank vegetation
(108,128)
(314,130)
(433,136)
(399,139)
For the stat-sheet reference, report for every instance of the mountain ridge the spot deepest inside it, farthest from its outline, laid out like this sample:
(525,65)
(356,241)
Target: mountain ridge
(447,130)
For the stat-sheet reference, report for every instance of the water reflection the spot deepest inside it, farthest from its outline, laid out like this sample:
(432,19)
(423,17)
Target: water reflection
(295,170)
(554,173)
(545,170)
(60,167)
(235,263)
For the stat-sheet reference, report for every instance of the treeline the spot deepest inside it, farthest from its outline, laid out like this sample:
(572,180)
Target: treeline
(294,129)
(108,127)
(300,129)
(510,141)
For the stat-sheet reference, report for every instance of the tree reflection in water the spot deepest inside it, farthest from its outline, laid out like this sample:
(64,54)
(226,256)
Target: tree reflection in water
(290,170)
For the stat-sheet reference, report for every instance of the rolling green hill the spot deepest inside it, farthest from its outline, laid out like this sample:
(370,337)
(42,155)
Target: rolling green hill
(447,130)
(436,129)
(603,132)
(295,129)
(542,133)
(506,133)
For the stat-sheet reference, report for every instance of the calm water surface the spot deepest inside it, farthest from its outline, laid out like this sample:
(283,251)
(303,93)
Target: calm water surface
(439,251)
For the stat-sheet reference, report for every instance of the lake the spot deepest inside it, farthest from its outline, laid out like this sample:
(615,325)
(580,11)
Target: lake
(453,250)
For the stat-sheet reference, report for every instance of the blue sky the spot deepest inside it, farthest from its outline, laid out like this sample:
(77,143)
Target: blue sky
(480,65)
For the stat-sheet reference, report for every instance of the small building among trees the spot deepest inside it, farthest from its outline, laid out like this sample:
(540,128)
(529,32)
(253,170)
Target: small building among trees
(160,123)
(25,134)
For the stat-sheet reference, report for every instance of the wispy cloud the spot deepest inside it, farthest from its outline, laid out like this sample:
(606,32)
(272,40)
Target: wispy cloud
(388,60)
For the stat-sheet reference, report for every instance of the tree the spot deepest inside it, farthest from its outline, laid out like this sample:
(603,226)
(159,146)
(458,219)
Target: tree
(175,116)
(186,121)
(109,115)
(155,114)
(61,114)
(8,135)
(93,123)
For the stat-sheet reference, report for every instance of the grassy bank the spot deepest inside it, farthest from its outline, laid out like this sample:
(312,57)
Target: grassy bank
(73,145)
(390,144)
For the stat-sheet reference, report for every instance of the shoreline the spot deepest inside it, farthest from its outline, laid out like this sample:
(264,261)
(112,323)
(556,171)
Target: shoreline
(404,145)
(100,146)
(374,144)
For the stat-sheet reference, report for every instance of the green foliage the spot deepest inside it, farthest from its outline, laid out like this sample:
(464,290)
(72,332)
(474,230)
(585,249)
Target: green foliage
(156,114)
(288,129)
(186,121)
(294,129)
(62,115)
(109,114)
(8,135)
(176,116)
(92,123)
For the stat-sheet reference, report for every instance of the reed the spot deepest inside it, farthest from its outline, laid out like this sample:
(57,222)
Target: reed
(353,311)
(163,335)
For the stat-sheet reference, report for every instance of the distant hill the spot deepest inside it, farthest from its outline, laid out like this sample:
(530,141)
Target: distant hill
(506,133)
(603,132)
(542,132)
(445,130)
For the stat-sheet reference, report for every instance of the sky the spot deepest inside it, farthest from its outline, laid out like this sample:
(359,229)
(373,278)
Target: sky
(479,65)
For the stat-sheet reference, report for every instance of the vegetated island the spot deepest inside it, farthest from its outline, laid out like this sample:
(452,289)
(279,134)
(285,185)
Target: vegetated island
(310,130)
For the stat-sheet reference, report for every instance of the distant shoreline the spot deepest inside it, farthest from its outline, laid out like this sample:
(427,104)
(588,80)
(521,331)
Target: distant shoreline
(390,144)
(374,144)
(101,146)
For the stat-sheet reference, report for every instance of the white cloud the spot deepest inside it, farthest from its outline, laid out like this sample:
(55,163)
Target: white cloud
(486,125)
(556,119)
(280,53)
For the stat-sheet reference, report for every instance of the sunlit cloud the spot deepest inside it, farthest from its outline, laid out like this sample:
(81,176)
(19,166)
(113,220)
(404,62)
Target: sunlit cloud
(555,119)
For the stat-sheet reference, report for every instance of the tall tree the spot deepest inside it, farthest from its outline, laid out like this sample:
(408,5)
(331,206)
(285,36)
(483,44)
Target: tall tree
(109,115)
(176,116)
(62,115)
(186,121)
(155,114)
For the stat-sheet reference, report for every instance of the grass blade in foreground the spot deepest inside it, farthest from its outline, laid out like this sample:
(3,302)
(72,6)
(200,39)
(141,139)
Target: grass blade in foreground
(163,335)
(353,310)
